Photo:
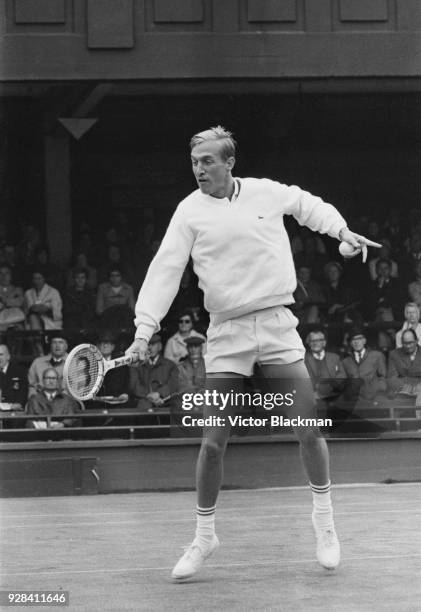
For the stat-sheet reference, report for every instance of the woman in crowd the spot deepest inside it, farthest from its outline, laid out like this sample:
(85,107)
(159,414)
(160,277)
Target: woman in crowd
(176,348)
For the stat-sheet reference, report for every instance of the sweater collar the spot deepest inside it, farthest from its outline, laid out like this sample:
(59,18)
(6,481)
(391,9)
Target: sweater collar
(213,200)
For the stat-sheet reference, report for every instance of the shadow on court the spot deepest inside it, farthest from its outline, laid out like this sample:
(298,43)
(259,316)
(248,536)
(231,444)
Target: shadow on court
(116,552)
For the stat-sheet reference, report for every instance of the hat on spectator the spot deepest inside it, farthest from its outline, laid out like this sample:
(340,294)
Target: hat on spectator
(59,335)
(106,336)
(155,338)
(194,341)
(356,331)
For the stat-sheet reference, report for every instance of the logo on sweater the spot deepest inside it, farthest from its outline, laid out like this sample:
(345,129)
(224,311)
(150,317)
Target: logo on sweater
(259,217)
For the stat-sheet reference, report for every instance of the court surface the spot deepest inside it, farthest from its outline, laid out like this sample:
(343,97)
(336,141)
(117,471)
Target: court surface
(115,552)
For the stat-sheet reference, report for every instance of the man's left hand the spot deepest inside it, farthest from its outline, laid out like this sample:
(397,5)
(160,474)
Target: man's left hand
(360,243)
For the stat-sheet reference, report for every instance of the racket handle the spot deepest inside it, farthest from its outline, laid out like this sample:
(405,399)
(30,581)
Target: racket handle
(118,362)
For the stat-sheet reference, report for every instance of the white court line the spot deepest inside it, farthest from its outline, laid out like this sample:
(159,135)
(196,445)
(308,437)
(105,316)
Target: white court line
(237,518)
(351,485)
(214,566)
(222,494)
(221,509)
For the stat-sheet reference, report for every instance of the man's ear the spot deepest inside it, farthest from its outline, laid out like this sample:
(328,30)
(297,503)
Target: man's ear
(231,163)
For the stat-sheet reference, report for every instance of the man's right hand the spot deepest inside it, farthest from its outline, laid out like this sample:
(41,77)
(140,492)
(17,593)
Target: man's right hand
(137,350)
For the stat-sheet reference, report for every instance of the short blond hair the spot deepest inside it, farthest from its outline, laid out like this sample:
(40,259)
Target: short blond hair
(217,133)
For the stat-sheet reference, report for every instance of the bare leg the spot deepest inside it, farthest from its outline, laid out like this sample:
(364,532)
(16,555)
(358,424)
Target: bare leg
(313,447)
(314,455)
(209,468)
(209,472)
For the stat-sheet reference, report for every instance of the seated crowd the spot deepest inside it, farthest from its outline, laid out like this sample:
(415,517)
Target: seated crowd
(97,292)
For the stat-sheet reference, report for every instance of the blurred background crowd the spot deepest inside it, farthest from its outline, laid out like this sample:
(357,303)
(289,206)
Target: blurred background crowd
(341,304)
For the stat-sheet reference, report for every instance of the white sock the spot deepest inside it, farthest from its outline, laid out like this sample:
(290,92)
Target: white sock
(205,529)
(322,506)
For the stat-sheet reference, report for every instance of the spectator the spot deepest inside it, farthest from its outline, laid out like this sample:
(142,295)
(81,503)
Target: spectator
(386,333)
(373,231)
(43,305)
(394,229)
(50,271)
(365,368)
(325,368)
(80,262)
(116,382)
(189,296)
(383,253)
(55,358)
(341,300)
(384,290)
(10,258)
(414,288)
(87,245)
(308,297)
(11,300)
(28,245)
(50,401)
(176,348)
(13,381)
(155,380)
(114,259)
(413,245)
(299,235)
(115,301)
(312,256)
(412,321)
(191,369)
(79,303)
(404,372)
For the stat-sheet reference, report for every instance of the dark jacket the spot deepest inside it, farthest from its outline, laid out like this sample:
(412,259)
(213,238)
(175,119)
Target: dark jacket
(14,385)
(370,371)
(145,378)
(336,379)
(61,405)
(192,377)
(79,308)
(402,371)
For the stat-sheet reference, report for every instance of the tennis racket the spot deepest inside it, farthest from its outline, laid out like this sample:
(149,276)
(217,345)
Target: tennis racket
(85,368)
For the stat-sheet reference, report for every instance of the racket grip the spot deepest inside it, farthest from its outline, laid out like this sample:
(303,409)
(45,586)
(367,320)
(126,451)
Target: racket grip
(121,361)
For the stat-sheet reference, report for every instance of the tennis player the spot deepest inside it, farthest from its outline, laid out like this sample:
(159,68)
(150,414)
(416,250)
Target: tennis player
(233,229)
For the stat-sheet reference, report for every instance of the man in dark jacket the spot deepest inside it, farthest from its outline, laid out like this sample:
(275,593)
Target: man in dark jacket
(366,368)
(13,381)
(49,402)
(155,380)
(404,373)
(325,368)
(191,369)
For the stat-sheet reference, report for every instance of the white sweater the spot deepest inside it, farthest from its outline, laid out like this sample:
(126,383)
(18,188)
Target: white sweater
(240,249)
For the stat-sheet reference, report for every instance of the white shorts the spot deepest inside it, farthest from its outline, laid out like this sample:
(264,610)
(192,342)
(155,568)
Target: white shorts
(267,336)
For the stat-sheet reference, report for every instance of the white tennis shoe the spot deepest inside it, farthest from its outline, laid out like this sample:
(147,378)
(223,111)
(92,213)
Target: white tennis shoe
(192,560)
(328,550)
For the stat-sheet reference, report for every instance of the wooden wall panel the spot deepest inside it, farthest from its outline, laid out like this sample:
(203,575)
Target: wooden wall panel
(409,14)
(271,15)
(318,15)
(203,39)
(110,24)
(271,10)
(178,11)
(40,11)
(363,10)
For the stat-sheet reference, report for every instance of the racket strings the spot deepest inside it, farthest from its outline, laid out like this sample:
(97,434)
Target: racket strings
(83,372)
